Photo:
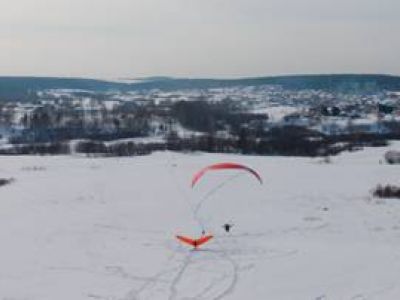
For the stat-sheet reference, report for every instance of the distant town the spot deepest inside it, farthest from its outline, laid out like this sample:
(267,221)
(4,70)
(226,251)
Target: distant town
(251,119)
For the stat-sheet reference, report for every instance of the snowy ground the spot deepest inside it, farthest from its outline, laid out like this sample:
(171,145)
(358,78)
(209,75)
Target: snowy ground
(79,228)
(276,113)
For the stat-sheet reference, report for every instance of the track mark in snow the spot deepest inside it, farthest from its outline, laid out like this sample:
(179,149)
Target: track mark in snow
(235,278)
(98,297)
(176,280)
(121,272)
(373,294)
(358,297)
(216,289)
(312,219)
(150,283)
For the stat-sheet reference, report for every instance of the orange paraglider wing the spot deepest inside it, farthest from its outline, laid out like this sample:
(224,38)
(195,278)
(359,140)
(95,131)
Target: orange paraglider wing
(224,166)
(194,242)
(186,240)
(203,240)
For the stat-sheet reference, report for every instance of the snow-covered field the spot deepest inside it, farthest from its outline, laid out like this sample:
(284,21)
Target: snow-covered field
(75,228)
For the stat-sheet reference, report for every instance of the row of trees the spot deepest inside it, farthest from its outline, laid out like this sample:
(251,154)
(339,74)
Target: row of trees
(290,141)
(209,117)
(50,124)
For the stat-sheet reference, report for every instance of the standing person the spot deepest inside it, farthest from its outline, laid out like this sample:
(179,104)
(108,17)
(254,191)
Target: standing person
(227,227)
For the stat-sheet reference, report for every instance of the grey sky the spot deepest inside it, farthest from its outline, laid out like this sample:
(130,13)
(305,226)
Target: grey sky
(208,38)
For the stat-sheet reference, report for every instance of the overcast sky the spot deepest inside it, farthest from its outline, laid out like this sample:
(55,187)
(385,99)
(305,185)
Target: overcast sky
(193,38)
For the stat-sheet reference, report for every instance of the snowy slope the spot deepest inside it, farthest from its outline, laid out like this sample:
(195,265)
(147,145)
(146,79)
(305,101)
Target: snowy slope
(79,228)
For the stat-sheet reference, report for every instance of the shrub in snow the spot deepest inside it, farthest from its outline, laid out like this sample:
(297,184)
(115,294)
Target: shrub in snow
(388,191)
(34,168)
(392,157)
(326,160)
(4,181)
(97,148)
(34,149)
(91,147)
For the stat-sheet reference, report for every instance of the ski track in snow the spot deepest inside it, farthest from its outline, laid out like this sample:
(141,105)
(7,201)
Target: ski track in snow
(192,264)
(175,281)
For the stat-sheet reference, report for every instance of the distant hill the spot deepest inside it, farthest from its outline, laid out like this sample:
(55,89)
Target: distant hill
(345,83)
(22,88)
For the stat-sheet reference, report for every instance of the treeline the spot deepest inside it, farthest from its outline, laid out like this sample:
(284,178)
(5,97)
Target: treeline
(88,147)
(97,148)
(50,124)
(225,115)
(283,141)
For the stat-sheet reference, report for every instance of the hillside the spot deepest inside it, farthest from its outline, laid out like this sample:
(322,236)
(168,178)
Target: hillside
(23,88)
